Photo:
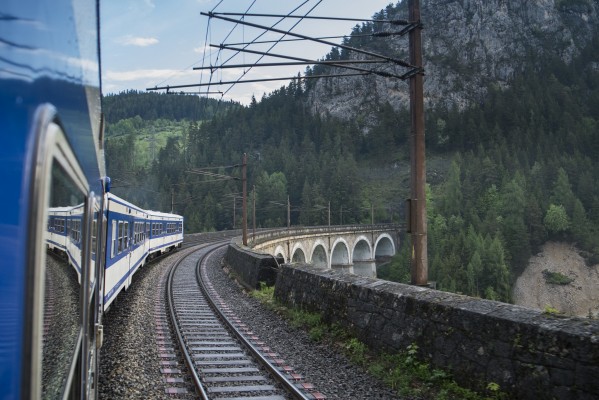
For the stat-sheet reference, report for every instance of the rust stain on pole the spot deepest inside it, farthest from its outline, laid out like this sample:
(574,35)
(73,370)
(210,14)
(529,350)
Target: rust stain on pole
(419,261)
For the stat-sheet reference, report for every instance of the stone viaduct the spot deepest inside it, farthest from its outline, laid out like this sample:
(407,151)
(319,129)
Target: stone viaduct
(349,248)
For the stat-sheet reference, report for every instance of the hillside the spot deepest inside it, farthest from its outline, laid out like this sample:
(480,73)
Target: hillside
(151,106)
(468,46)
(512,146)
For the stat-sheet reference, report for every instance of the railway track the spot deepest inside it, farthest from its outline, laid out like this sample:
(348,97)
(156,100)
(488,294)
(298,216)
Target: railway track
(223,358)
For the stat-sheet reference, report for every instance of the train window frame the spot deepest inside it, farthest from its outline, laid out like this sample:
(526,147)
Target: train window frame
(114,240)
(120,236)
(49,146)
(126,235)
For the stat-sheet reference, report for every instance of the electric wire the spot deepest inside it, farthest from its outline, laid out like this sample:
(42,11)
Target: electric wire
(388,21)
(274,44)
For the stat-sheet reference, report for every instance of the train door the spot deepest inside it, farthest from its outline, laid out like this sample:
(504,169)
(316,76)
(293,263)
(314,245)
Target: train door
(127,246)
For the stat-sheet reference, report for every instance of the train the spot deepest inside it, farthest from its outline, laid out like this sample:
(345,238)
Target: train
(68,246)
(134,237)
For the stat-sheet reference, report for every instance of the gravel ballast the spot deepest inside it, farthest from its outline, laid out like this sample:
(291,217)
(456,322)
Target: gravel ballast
(332,373)
(129,363)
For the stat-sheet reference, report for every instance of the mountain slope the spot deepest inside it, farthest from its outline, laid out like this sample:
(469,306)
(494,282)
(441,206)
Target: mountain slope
(467,46)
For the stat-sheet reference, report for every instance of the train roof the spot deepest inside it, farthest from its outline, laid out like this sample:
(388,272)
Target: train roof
(153,213)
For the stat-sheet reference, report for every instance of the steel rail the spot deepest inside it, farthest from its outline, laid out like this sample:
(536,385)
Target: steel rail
(278,375)
(186,356)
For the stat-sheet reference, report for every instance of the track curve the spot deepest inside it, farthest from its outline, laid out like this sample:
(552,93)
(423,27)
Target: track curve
(226,360)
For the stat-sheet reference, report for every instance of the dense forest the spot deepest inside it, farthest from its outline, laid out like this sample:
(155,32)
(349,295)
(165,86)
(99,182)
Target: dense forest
(524,171)
(149,106)
(517,169)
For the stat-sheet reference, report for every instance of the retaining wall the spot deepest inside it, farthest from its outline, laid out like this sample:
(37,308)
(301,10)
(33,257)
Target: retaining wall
(528,353)
(252,268)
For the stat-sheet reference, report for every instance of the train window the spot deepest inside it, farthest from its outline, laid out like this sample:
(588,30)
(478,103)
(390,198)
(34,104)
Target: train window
(126,235)
(53,335)
(114,240)
(61,273)
(120,237)
(94,232)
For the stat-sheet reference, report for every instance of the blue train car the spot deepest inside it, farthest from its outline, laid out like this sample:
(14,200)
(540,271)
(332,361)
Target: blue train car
(50,159)
(134,236)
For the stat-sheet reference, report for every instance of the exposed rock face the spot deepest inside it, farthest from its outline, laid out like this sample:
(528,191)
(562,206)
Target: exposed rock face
(468,45)
(578,298)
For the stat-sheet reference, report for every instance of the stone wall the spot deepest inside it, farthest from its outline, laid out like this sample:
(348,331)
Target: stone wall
(528,353)
(252,268)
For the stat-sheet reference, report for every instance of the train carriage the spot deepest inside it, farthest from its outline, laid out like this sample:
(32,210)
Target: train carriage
(56,233)
(50,159)
(166,232)
(134,236)
(59,226)
(126,249)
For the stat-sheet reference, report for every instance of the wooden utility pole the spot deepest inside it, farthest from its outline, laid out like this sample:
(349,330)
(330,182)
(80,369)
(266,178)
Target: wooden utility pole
(371,213)
(244,216)
(172,199)
(417,211)
(254,216)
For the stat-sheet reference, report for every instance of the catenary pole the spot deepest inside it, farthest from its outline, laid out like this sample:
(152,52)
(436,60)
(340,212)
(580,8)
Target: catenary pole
(419,258)
(244,217)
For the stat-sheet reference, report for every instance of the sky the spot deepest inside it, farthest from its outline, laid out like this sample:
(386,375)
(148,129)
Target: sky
(150,43)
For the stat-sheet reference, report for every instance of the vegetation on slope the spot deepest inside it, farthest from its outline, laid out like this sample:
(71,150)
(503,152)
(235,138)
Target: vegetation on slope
(523,170)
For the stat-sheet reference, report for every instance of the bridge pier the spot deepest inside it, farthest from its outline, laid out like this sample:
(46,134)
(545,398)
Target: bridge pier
(365,268)
(347,268)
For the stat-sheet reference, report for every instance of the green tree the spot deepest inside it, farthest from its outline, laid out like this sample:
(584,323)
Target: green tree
(272,199)
(556,219)
(562,192)
(451,202)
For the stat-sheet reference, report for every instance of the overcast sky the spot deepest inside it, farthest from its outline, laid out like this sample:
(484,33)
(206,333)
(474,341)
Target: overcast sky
(148,43)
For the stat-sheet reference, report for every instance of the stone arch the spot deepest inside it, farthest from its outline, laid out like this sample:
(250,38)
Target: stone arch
(298,254)
(362,250)
(280,252)
(319,254)
(340,253)
(384,246)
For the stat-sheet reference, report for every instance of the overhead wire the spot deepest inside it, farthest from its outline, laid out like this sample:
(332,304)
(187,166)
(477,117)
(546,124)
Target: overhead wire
(277,42)
(365,52)
(226,37)
(389,21)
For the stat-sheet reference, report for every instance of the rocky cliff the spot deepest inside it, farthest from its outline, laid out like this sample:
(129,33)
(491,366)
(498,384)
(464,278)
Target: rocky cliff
(467,46)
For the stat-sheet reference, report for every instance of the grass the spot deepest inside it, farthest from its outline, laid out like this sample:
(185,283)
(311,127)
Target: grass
(403,371)
(153,131)
(556,278)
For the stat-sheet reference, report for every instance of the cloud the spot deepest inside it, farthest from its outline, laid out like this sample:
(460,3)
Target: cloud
(133,75)
(137,41)
(200,49)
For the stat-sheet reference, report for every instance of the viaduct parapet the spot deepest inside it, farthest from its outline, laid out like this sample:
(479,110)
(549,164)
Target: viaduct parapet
(530,354)
(351,248)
